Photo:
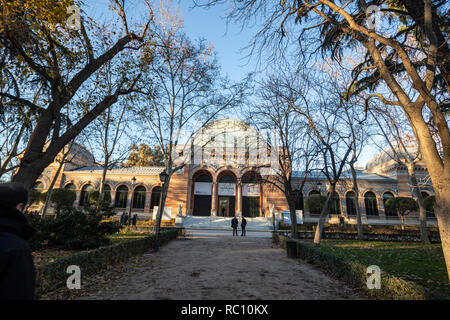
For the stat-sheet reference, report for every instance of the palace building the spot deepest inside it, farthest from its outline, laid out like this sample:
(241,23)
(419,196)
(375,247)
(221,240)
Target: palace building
(221,178)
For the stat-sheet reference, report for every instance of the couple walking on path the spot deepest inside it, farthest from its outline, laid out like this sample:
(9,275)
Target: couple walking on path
(235,223)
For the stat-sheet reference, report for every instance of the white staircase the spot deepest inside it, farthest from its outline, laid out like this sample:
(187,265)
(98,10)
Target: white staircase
(224,223)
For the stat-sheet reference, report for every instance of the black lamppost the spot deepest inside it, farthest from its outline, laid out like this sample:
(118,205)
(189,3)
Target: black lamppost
(163,177)
(133,181)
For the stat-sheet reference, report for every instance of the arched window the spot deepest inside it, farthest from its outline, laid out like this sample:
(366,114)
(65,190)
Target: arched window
(298,200)
(121,197)
(389,213)
(139,197)
(156,195)
(85,192)
(370,201)
(350,201)
(251,194)
(38,186)
(430,214)
(316,209)
(107,192)
(335,205)
(70,186)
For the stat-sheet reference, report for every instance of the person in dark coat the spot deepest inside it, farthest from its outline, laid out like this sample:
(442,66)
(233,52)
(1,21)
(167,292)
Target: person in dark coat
(17,272)
(125,218)
(122,219)
(234,225)
(243,224)
(134,220)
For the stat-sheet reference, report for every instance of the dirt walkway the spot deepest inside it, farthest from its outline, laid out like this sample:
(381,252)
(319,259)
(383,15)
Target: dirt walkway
(213,268)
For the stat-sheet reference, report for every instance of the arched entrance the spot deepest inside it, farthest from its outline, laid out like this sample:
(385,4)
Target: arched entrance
(202,185)
(251,195)
(226,195)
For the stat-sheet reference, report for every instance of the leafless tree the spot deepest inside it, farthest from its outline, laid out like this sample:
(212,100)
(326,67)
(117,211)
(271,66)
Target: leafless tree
(44,50)
(402,147)
(295,147)
(186,92)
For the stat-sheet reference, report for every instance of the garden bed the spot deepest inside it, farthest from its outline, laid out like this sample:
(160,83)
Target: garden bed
(409,271)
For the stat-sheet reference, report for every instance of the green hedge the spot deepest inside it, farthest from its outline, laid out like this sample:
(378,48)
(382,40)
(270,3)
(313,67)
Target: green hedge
(53,275)
(354,274)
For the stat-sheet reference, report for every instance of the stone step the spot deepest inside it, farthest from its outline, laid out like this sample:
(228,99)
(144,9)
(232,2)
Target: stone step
(222,223)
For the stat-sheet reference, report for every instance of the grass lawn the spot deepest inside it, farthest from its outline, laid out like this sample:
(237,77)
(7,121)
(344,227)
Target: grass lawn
(118,237)
(420,263)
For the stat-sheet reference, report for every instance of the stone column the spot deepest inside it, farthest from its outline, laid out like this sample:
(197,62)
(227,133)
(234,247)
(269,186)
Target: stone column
(147,201)
(77,199)
(239,198)
(190,195)
(214,200)
(129,199)
(381,212)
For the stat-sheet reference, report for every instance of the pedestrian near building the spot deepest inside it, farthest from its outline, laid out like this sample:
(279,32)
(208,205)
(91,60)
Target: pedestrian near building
(234,225)
(17,272)
(243,225)
(122,218)
(134,220)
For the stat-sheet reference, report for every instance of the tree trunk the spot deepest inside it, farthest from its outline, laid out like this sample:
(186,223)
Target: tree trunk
(294,226)
(50,188)
(357,208)
(422,210)
(442,209)
(162,201)
(323,216)
(102,182)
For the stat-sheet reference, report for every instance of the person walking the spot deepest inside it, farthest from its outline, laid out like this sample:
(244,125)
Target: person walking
(234,225)
(17,272)
(122,219)
(125,218)
(134,220)
(243,224)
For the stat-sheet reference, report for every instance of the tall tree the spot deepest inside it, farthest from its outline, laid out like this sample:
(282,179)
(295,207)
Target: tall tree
(294,143)
(41,48)
(186,90)
(403,149)
(145,156)
(319,105)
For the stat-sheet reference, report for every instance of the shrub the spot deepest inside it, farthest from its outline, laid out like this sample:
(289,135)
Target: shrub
(402,206)
(53,275)
(94,196)
(63,198)
(73,229)
(36,196)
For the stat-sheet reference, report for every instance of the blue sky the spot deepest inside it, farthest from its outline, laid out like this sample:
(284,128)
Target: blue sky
(228,40)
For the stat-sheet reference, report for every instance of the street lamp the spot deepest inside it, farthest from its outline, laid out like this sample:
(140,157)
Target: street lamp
(133,181)
(163,176)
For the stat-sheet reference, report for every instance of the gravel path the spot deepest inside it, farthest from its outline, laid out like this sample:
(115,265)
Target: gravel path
(212,267)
